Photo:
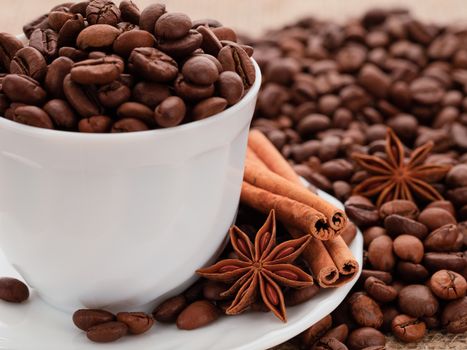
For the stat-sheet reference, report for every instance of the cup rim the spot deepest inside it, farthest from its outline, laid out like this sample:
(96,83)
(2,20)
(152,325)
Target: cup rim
(129,136)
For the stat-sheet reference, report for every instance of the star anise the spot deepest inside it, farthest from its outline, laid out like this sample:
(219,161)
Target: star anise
(262,266)
(395,177)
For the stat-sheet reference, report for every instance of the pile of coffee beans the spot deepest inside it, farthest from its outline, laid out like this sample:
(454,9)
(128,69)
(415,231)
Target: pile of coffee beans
(96,67)
(332,89)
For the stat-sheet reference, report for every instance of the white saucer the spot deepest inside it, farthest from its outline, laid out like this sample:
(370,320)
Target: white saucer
(35,325)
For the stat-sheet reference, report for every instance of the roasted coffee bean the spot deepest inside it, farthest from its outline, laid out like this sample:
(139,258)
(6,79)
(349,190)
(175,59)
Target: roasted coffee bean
(172,26)
(329,343)
(426,91)
(97,37)
(23,89)
(100,71)
(408,329)
(170,112)
(457,177)
(384,276)
(379,290)
(212,290)
(397,225)
(70,31)
(313,333)
(181,47)
(56,73)
(380,253)
(9,46)
(233,58)
(13,290)
(168,311)
(114,94)
(200,70)
(192,92)
(313,123)
(225,33)
(454,316)
(72,53)
(365,311)
(153,65)
(136,110)
(40,22)
(129,125)
(150,15)
(10,111)
(434,218)
(129,40)
(137,322)
(84,319)
(448,285)
(33,116)
(79,7)
(197,315)
(230,87)
(107,332)
(45,41)
(400,207)
(374,80)
(208,107)
(410,272)
(62,115)
(29,61)
(103,12)
(417,300)
(95,124)
(408,248)
(211,43)
(81,98)
(365,337)
(340,332)
(56,20)
(299,296)
(371,233)
(129,12)
(150,94)
(361,211)
(442,239)
(445,261)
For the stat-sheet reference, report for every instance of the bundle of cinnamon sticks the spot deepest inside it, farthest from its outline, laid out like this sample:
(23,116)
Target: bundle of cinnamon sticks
(271,183)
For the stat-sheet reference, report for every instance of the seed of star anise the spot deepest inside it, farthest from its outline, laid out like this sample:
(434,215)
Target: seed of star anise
(395,177)
(260,268)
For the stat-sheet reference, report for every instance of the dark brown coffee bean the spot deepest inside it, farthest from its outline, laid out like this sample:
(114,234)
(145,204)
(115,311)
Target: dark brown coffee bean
(233,58)
(103,12)
(299,296)
(426,91)
(448,285)
(197,315)
(365,311)
(79,7)
(340,332)
(445,261)
(13,290)
(456,177)
(337,169)
(170,112)
(153,65)
(379,290)
(150,15)
(128,41)
(81,98)
(41,22)
(397,225)
(380,253)
(33,116)
(454,316)
(63,116)
(107,332)
(87,318)
(365,337)
(56,20)
(312,124)
(200,70)
(45,41)
(100,71)
(29,61)
(137,322)
(408,248)
(192,92)
(181,47)
(212,290)
(361,211)
(138,111)
(374,80)
(129,125)
(168,311)
(72,53)
(230,87)
(9,46)
(442,239)
(10,111)
(211,44)
(417,300)
(113,94)
(389,312)
(97,37)
(434,218)
(70,31)
(313,333)
(95,124)
(129,12)
(56,73)
(23,89)
(150,94)
(172,26)
(371,233)
(408,329)
(410,272)
(400,207)
(329,343)
(208,107)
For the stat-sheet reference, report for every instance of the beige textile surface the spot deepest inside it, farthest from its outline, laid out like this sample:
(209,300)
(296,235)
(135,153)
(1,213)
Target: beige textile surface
(253,17)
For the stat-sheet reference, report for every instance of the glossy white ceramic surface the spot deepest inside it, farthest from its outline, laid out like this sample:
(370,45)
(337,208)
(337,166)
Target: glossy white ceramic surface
(118,220)
(36,326)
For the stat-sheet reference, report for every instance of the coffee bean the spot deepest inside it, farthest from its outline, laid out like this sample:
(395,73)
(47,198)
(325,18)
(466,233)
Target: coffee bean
(129,12)
(410,272)
(95,124)
(79,7)
(129,125)
(181,47)
(62,115)
(379,291)
(13,290)
(33,116)
(329,343)
(137,322)
(9,46)
(29,61)
(374,80)
(397,225)
(456,176)
(400,207)
(211,44)
(84,319)
(150,94)
(107,332)
(200,70)
(153,64)
(172,26)
(45,41)
(365,311)
(361,211)
(192,92)
(380,253)
(128,41)
(384,276)
(445,261)
(56,73)
(448,285)
(40,22)
(442,239)
(340,332)
(97,36)
(70,31)
(434,218)
(150,15)
(170,112)
(197,315)
(408,329)
(389,312)
(98,71)
(136,110)
(365,337)
(103,12)
(23,89)
(337,169)
(230,87)
(114,94)
(168,311)
(408,248)
(81,98)
(454,316)
(56,20)
(426,91)
(208,107)
(72,53)
(371,233)
(233,58)
(417,300)
(299,296)
(316,331)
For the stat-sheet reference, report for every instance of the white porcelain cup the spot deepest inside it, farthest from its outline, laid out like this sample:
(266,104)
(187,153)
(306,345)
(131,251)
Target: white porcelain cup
(118,221)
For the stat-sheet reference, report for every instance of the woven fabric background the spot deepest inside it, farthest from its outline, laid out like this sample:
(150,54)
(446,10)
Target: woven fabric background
(254,17)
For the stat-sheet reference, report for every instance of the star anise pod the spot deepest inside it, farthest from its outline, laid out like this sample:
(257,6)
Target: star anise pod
(260,267)
(395,177)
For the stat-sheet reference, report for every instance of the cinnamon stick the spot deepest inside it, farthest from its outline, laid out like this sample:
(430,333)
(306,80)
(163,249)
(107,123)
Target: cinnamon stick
(342,256)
